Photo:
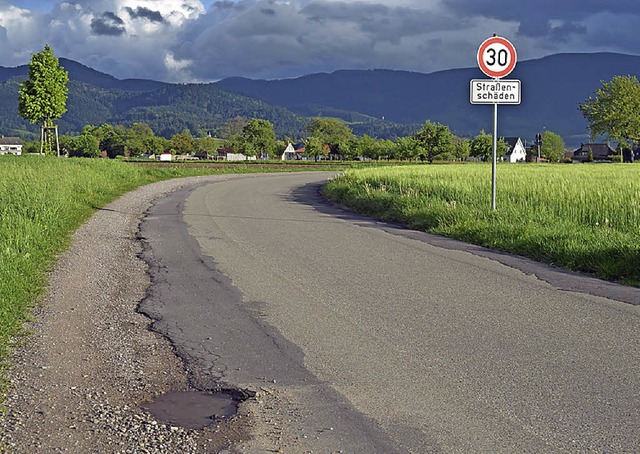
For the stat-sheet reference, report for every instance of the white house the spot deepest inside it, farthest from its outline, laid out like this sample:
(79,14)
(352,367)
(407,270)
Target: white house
(10,145)
(516,152)
(289,153)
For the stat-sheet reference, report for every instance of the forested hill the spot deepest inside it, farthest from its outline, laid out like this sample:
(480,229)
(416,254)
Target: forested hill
(380,103)
(552,88)
(96,98)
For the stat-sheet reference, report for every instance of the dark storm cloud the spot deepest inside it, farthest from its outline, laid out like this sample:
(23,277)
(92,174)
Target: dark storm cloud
(109,24)
(564,31)
(553,9)
(226,4)
(383,22)
(145,13)
(202,40)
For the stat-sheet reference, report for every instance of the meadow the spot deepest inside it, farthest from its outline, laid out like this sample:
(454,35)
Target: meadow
(582,217)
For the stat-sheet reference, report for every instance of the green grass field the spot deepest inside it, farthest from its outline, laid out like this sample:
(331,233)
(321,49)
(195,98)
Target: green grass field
(580,217)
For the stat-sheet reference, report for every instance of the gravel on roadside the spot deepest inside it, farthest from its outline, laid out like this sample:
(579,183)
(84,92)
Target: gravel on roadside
(77,379)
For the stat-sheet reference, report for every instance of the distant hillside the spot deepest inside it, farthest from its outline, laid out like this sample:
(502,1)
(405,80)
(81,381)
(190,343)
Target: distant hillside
(380,103)
(96,98)
(552,88)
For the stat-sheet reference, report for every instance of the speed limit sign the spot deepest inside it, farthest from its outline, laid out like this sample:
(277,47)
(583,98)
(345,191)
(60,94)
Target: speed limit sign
(497,57)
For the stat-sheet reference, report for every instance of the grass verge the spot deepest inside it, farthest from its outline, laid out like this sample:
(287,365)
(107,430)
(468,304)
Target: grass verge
(584,218)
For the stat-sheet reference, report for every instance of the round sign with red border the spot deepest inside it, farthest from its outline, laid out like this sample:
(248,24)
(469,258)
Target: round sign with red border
(497,57)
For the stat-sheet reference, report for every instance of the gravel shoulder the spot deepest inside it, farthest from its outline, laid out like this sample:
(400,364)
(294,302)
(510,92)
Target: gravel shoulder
(77,380)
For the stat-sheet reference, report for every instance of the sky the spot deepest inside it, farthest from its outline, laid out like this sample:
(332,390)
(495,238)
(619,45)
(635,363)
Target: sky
(186,41)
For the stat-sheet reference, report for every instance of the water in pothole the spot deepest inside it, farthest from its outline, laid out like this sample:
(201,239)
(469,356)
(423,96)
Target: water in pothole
(191,409)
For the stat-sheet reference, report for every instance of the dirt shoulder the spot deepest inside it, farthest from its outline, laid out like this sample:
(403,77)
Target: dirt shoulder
(78,379)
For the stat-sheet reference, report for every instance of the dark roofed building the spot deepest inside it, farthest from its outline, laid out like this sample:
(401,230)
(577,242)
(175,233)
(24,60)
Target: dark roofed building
(10,145)
(600,152)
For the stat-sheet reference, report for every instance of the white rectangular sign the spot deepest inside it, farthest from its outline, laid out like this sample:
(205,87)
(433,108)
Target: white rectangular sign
(489,91)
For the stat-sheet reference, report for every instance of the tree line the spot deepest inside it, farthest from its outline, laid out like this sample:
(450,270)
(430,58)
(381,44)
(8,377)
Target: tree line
(614,112)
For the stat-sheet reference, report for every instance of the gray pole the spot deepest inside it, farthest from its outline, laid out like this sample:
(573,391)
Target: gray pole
(495,157)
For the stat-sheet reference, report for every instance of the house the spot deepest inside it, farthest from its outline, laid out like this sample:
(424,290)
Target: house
(228,154)
(289,153)
(295,152)
(596,152)
(517,151)
(10,145)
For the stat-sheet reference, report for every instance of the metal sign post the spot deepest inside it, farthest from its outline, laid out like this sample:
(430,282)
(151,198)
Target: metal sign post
(496,58)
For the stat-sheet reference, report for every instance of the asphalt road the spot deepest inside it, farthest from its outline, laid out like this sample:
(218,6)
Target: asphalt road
(381,339)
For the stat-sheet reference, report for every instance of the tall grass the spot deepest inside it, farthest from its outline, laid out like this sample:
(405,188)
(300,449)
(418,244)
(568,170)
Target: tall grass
(581,217)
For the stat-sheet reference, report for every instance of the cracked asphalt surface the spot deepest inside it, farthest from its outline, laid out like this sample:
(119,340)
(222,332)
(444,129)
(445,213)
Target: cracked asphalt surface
(379,339)
(351,335)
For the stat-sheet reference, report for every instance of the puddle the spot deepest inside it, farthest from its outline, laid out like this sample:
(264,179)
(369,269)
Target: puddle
(192,409)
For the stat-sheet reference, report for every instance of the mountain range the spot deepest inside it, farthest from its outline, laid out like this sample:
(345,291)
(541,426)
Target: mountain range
(380,103)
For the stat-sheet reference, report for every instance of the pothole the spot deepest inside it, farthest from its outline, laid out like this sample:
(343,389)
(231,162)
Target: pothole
(192,409)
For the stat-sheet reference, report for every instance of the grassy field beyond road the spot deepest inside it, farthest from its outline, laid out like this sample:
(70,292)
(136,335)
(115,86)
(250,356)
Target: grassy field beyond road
(580,217)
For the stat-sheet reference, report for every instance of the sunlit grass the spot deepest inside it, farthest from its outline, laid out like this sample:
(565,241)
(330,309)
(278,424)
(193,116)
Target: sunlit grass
(580,217)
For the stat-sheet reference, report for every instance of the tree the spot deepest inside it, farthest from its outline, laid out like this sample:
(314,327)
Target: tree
(314,147)
(461,148)
(615,110)
(258,137)
(207,146)
(139,139)
(384,148)
(183,143)
(85,146)
(332,132)
(366,147)
(43,96)
(406,148)
(552,146)
(434,139)
(110,140)
(482,146)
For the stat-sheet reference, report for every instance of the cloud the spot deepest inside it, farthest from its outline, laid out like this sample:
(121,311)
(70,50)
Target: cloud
(145,13)
(182,41)
(108,24)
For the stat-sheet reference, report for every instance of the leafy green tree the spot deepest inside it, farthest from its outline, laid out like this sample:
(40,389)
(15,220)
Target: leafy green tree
(406,148)
(183,143)
(43,96)
(314,147)
(366,147)
(482,146)
(258,137)
(85,146)
(332,132)
(615,110)
(552,146)
(207,145)
(384,148)
(461,148)
(434,139)
(110,140)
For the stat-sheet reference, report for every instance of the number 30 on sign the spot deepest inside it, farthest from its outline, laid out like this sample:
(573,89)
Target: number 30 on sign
(497,57)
